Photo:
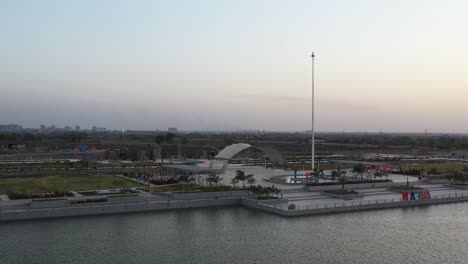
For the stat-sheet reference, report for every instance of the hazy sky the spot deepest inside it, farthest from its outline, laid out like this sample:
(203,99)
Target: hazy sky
(380,65)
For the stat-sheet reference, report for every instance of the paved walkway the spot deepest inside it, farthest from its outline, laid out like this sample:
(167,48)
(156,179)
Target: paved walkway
(302,198)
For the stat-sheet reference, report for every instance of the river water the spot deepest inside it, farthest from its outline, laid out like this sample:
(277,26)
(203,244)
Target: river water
(433,234)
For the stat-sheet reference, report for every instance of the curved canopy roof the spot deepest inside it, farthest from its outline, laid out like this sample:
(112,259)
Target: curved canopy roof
(230,151)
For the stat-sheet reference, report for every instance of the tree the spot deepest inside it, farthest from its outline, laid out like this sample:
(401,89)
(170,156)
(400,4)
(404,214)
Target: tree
(234,182)
(359,169)
(264,191)
(251,180)
(334,175)
(185,177)
(213,178)
(240,175)
(169,138)
(159,139)
(277,191)
(457,176)
(342,177)
(378,174)
(316,173)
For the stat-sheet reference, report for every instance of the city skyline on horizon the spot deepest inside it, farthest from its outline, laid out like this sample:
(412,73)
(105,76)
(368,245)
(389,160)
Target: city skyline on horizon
(218,66)
(79,128)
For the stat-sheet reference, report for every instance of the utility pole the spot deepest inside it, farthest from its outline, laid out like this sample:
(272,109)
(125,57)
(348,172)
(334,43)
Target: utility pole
(313,113)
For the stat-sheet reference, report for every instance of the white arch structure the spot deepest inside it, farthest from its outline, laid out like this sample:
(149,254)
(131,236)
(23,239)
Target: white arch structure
(221,161)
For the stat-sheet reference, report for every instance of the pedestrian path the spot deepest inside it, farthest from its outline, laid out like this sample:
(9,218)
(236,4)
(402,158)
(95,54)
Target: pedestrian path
(306,198)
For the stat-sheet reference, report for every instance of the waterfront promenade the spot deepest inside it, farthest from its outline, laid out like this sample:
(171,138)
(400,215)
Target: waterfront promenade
(305,203)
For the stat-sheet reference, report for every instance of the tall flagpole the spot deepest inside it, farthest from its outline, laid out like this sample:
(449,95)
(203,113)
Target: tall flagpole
(313,113)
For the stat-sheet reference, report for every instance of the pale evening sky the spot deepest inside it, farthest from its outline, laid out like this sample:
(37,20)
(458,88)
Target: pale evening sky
(215,65)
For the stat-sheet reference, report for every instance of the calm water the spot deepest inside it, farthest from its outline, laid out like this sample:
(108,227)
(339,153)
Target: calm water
(436,234)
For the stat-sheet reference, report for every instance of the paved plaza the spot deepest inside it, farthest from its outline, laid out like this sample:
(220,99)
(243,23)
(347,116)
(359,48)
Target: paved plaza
(306,199)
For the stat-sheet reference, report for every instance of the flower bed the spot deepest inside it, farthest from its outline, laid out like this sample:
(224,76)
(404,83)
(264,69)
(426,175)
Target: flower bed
(39,196)
(343,194)
(404,188)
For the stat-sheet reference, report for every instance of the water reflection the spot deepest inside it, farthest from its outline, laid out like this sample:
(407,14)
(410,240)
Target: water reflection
(433,234)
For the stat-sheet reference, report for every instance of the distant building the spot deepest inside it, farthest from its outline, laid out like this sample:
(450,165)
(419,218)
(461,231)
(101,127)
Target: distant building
(43,128)
(99,129)
(16,146)
(77,128)
(172,130)
(11,128)
(68,128)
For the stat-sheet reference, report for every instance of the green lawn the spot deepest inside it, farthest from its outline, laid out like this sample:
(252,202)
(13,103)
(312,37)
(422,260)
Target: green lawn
(57,184)
(441,167)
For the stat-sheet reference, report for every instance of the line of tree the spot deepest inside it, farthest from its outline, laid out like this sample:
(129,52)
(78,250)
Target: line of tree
(168,138)
(460,176)
(265,191)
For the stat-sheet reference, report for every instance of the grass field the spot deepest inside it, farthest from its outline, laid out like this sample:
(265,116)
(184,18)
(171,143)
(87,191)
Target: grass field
(440,167)
(57,184)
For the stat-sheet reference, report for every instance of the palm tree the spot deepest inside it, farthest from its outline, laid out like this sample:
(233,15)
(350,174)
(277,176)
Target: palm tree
(342,177)
(342,180)
(234,182)
(359,169)
(240,175)
(213,178)
(275,190)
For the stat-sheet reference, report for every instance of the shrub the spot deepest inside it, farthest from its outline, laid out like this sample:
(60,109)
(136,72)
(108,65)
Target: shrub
(404,187)
(341,192)
(164,181)
(269,197)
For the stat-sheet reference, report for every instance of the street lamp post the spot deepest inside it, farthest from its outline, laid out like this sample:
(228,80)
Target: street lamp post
(313,113)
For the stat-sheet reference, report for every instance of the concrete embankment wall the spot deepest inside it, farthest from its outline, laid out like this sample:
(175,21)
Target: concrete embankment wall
(76,206)
(349,208)
(109,208)
(277,206)
(267,207)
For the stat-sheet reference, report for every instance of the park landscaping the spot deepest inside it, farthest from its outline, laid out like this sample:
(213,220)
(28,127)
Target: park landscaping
(31,187)
(189,187)
(341,192)
(432,168)
(406,188)
(345,182)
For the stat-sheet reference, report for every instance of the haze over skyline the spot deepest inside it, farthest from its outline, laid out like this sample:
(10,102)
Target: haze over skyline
(396,66)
